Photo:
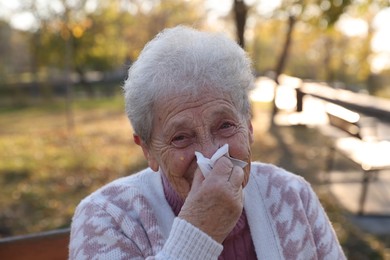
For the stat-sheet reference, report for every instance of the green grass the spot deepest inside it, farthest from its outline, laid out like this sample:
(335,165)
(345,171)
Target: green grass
(46,168)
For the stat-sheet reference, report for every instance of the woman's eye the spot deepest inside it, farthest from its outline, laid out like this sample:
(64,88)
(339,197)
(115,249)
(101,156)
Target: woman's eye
(226,125)
(178,138)
(181,141)
(227,129)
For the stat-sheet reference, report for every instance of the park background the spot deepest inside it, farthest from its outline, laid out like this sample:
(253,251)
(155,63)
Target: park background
(63,131)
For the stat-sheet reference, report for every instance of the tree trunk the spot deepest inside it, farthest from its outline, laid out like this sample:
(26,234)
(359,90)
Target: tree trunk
(84,82)
(282,62)
(240,13)
(284,55)
(329,74)
(68,68)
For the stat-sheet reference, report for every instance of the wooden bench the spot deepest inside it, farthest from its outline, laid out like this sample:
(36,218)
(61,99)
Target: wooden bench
(349,138)
(51,245)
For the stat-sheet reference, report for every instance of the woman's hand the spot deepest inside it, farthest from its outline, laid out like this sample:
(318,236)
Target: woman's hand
(215,204)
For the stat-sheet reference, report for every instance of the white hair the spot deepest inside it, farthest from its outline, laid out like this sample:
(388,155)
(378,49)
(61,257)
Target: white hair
(184,60)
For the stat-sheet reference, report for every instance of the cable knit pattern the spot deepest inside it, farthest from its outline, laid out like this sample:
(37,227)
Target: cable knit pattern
(131,219)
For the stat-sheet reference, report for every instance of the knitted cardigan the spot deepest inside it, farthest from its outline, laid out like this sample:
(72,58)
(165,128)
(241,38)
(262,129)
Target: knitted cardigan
(131,219)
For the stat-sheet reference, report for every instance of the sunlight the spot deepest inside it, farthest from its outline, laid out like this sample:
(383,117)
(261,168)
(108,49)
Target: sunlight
(380,43)
(341,112)
(23,21)
(369,154)
(381,40)
(263,91)
(352,27)
(286,98)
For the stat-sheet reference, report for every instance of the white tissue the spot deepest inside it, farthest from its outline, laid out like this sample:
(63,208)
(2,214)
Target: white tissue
(206,165)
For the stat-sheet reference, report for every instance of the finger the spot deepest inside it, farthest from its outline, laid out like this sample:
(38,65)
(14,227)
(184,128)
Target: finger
(197,180)
(223,166)
(236,176)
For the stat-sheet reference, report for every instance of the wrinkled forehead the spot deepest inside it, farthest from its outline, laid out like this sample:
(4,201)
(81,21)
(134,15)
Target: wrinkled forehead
(191,92)
(182,98)
(174,103)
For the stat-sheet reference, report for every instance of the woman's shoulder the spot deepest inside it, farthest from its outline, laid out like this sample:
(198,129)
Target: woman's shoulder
(266,174)
(277,185)
(124,211)
(141,184)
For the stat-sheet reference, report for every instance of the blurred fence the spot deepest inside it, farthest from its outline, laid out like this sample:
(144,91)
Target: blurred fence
(56,85)
(359,102)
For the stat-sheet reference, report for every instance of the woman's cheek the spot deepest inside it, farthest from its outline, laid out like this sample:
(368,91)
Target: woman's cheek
(178,164)
(240,149)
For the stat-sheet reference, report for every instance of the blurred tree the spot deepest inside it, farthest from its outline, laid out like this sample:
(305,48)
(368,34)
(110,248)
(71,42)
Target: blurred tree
(265,44)
(14,62)
(240,9)
(106,36)
(324,48)
(150,20)
(286,47)
(361,69)
(73,38)
(35,45)
(379,84)
(98,41)
(321,14)
(5,36)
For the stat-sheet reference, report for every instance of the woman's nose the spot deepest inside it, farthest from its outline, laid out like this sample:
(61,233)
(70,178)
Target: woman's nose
(209,149)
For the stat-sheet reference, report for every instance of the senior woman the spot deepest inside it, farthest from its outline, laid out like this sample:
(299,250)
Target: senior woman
(187,100)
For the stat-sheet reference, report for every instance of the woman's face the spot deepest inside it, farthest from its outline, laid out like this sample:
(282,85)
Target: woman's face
(184,125)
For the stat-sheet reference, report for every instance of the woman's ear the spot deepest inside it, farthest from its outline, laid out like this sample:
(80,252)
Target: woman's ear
(152,162)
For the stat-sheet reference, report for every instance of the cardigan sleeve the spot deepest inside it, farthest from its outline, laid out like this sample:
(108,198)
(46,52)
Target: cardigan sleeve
(325,239)
(188,242)
(101,231)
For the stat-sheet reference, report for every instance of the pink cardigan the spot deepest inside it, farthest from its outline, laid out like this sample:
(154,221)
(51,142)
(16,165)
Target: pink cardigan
(131,219)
